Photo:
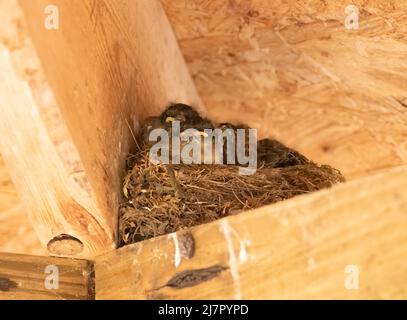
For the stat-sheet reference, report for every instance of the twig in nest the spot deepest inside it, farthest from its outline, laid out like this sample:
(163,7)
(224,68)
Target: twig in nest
(174,182)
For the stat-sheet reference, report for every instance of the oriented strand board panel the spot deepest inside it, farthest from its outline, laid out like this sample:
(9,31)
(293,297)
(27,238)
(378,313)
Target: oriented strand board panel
(25,277)
(292,69)
(348,242)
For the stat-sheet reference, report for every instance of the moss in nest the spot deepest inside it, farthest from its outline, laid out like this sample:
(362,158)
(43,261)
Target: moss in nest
(165,198)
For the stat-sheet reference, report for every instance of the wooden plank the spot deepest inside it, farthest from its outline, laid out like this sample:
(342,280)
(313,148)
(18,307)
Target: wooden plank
(55,205)
(111,64)
(311,246)
(14,36)
(16,233)
(13,219)
(24,277)
(292,70)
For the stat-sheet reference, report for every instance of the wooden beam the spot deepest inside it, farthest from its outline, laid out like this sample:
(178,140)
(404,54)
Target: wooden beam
(110,64)
(24,277)
(65,218)
(348,242)
(13,220)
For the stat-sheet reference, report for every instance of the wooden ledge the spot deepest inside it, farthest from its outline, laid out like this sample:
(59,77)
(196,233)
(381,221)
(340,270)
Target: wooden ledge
(348,242)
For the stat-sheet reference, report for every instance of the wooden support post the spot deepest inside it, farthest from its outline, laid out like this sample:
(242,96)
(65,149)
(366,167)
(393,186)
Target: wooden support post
(110,64)
(24,277)
(348,242)
(65,218)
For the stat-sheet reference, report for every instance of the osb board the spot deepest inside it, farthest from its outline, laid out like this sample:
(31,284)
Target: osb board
(349,242)
(292,69)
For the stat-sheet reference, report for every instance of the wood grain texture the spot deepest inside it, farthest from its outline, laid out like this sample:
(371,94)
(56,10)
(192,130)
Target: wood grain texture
(23,277)
(111,64)
(295,249)
(14,36)
(16,233)
(55,204)
(292,70)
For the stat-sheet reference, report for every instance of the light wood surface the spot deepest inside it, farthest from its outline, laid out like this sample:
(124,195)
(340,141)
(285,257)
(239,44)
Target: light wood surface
(302,248)
(55,205)
(292,69)
(110,64)
(17,234)
(287,67)
(24,277)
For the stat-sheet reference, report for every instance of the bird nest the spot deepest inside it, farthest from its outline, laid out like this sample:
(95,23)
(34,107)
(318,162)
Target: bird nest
(163,198)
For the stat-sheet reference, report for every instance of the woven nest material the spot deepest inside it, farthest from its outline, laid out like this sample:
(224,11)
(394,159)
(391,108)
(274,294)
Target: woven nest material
(165,198)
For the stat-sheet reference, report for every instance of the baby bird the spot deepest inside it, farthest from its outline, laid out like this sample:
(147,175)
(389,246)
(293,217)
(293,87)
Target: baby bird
(274,154)
(188,117)
(149,125)
(228,126)
(270,153)
(180,112)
